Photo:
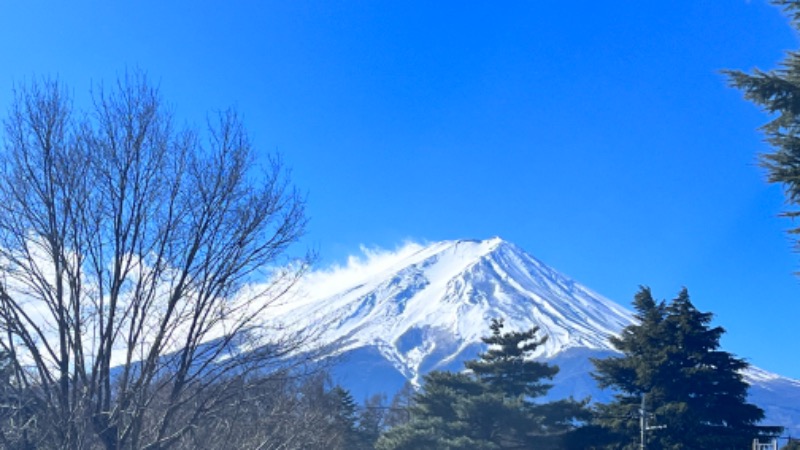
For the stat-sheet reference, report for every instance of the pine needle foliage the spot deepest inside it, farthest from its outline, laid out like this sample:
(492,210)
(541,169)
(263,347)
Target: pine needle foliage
(504,366)
(696,395)
(777,92)
(495,404)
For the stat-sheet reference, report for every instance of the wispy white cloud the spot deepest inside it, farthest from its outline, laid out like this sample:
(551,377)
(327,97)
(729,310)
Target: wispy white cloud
(367,265)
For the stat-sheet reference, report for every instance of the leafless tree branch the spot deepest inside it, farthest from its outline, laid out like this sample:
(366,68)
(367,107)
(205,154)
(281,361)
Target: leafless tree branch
(138,263)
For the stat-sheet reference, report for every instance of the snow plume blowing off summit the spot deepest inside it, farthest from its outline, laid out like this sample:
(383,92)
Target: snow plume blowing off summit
(423,307)
(393,316)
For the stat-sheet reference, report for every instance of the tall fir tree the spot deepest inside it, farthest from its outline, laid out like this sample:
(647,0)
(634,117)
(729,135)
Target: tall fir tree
(504,366)
(490,406)
(778,93)
(350,427)
(694,394)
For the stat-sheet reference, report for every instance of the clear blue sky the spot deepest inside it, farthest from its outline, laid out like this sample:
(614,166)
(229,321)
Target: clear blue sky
(598,136)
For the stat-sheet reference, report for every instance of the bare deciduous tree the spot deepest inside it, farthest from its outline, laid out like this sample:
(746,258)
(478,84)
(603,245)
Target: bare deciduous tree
(137,260)
(291,413)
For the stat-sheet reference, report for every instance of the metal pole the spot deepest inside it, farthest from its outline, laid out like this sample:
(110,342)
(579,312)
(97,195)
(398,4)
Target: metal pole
(642,422)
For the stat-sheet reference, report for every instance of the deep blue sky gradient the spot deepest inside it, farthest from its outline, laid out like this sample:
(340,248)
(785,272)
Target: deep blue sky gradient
(598,136)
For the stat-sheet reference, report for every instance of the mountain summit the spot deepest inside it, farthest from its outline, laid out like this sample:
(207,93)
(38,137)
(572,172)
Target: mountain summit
(430,304)
(399,315)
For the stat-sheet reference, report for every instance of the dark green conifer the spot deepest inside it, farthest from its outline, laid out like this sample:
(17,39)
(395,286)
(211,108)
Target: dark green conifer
(492,405)
(778,93)
(504,366)
(695,395)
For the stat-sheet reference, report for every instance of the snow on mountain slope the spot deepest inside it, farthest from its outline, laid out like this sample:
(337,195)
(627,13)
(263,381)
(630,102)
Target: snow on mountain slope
(394,316)
(433,302)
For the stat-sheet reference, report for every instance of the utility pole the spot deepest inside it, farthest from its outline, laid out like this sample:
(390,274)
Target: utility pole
(644,427)
(642,421)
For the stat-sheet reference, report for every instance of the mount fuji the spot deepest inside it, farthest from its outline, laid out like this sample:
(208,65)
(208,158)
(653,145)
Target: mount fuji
(397,315)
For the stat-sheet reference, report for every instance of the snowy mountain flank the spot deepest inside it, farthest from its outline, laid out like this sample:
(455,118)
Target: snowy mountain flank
(397,315)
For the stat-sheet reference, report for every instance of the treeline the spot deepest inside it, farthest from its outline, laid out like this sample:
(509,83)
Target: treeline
(671,378)
(138,262)
(126,244)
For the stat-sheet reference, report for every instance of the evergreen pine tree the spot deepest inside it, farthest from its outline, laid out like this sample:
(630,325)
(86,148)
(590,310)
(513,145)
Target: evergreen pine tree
(440,417)
(507,370)
(778,93)
(634,373)
(492,405)
(504,367)
(343,417)
(694,393)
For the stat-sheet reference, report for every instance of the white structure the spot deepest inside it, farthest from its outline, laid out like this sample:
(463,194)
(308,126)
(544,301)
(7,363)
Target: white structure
(771,445)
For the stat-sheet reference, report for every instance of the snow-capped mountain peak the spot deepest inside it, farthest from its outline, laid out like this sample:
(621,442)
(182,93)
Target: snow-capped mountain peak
(422,306)
(396,315)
